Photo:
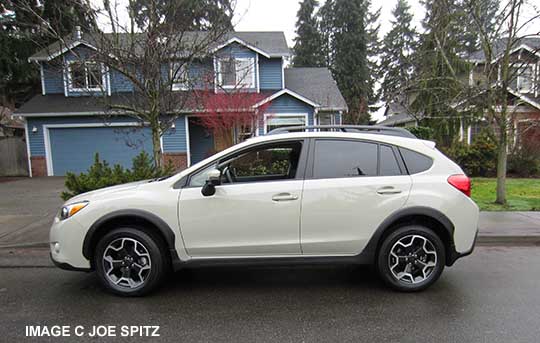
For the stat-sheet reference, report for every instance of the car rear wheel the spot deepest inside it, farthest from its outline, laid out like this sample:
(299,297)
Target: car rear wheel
(411,258)
(129,261)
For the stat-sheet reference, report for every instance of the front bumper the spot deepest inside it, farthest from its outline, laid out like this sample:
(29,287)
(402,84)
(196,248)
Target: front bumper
(66,240)
(454,255)
(67,266)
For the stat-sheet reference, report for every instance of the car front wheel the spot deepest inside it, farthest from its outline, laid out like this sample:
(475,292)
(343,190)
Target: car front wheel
(129,261)
(411,258)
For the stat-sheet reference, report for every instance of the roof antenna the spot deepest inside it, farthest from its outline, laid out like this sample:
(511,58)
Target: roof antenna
(78,32)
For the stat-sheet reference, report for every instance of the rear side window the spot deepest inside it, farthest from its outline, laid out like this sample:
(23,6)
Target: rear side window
(335,159)
(415,162)
(388,163)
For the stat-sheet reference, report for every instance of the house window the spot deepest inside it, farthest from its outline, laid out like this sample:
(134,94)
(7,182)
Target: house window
(179,76)
(85,76)
(236,72)
(525,77)
(276,121)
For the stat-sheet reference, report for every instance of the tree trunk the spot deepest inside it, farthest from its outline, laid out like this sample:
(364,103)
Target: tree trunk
(501,171)
(156,146)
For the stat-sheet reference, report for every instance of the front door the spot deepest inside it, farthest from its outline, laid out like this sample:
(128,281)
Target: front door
(256,209)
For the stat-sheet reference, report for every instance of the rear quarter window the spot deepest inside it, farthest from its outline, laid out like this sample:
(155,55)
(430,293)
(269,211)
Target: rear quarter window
(414,161)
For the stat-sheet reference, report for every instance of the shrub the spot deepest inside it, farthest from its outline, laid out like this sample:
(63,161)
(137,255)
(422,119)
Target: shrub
(422,132)
(101,175)
(477,159)
(524,163)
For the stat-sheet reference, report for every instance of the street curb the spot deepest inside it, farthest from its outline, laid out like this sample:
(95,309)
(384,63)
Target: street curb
(25,245)
(507,240)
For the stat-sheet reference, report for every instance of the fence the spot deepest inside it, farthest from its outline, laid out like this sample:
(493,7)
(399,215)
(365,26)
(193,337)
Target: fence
(13,157)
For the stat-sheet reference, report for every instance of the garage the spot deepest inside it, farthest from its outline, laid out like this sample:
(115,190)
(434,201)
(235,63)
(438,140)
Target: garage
(72,148)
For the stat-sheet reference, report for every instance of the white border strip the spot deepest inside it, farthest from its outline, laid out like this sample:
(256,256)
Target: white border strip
(277,115)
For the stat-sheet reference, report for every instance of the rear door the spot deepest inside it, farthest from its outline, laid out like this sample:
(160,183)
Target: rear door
(351,186)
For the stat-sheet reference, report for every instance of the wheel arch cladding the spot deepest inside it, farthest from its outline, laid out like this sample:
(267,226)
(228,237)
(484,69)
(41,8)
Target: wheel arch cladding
(425,216)
(152,223)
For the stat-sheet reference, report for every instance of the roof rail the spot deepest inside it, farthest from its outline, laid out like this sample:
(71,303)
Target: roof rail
(374,129)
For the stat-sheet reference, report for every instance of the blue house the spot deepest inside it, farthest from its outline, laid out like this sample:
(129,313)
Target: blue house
(65,124)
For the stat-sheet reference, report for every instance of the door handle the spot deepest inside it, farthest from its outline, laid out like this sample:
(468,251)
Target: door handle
(388,190)
(284,197)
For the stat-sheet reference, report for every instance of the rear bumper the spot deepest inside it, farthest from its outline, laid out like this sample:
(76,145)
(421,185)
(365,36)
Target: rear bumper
(454,255)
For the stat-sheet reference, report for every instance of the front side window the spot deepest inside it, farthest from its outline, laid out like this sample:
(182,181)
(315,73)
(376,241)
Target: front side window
(342,159)
(276,121)
(85,76)
(199,178)
(269,163)
(236,72)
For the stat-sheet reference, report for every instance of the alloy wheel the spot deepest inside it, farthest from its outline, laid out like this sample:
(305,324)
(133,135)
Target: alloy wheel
(126,262)
(412,259)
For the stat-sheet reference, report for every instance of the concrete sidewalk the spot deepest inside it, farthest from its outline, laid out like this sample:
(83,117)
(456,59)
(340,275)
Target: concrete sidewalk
(509,228)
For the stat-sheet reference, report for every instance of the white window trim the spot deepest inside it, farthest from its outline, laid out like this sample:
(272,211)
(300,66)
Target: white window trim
(47,138)
(251,85)
(70,87)
(274,115)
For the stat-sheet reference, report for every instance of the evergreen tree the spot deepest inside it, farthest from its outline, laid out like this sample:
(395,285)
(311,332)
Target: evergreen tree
(185,15)
(373,51)
(24,28)
(396,60)
(64,15)
(438,67)
(308,47)
(485,11)
(350,57)
(327,30)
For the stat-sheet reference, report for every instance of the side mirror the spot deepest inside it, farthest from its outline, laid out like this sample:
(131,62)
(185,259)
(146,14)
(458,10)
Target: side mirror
(213,179)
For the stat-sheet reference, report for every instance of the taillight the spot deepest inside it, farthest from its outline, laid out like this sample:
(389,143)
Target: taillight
(461,182)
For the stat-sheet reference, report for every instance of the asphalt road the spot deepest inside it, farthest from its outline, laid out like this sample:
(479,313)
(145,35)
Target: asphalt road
(491,296)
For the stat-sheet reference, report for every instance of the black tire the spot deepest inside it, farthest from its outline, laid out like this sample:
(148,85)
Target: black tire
(152,246)
(385,260)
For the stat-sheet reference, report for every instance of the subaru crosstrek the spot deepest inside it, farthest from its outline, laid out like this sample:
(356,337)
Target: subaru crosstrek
(365,195)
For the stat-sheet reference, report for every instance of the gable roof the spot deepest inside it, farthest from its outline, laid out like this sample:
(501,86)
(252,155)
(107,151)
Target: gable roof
(316,84)
(397,114)
(267,43)
(532,44)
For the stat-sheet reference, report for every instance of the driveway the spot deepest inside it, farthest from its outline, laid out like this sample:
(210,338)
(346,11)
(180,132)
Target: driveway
(27,209)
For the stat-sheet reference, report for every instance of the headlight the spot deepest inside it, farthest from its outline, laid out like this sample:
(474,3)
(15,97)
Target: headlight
(69,210)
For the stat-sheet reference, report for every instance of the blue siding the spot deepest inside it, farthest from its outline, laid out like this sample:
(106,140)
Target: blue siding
(270,73)
(36,139)
(119,83)
(175,139)
(288,104)
(52,76)
(73,149)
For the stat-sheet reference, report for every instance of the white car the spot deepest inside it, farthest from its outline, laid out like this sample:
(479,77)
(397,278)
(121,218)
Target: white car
(366,195)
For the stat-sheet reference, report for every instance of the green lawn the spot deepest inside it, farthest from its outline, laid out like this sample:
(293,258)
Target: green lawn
(521,194)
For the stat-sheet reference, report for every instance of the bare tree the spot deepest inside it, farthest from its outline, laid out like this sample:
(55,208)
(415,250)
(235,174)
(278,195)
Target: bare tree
(502,63)
(165,61)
